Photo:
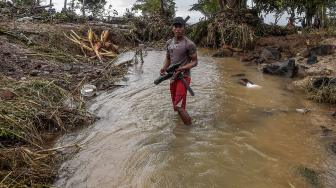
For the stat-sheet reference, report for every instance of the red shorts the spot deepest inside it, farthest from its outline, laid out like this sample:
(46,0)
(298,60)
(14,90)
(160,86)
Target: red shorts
(179,92)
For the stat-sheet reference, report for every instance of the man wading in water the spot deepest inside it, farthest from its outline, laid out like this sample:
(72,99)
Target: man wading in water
(182,50)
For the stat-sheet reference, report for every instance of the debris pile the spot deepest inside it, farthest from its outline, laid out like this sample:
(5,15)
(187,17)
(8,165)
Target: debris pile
(154,28)
(322,89)
(97,47)
(30,113)
(233,28)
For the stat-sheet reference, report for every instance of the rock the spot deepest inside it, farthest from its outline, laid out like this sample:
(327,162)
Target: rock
(223,53)
(288,68)
(6,94)
(322,50)
(34,72)
(312,59)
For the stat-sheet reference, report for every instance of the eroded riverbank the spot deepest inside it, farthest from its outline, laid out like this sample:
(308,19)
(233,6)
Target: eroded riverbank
(240,137)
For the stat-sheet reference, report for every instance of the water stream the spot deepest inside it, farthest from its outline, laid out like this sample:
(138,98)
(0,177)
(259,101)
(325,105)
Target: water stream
(240,137)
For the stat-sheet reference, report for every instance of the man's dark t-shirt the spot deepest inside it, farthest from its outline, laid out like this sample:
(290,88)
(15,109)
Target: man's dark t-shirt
(180,51)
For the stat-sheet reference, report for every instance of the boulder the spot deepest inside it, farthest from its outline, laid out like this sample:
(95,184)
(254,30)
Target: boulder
(34,72)
(287,68)
(320,50)
(312,59)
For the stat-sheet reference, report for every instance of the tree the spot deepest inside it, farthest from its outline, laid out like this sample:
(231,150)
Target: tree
(95,7)
(310,8)
(65,5)
(232,4)
(151,7)
(207,7)
(210,7)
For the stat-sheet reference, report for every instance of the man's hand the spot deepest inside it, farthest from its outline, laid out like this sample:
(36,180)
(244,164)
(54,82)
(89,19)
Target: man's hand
(181,69)
(176,73)
(163,71)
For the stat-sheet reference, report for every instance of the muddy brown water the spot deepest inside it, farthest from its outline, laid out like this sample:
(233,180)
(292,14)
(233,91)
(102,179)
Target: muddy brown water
(240,137)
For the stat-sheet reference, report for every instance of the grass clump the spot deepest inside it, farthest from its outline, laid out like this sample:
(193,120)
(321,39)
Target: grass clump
(36,111)
(322,90)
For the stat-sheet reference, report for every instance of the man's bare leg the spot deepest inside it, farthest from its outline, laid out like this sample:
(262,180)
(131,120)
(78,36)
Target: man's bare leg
(184,116)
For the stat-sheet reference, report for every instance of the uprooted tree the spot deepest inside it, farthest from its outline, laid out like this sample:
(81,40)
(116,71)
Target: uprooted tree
(227,23)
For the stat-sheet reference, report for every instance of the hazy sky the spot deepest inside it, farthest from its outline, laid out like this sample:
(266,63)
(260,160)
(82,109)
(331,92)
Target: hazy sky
(182,7)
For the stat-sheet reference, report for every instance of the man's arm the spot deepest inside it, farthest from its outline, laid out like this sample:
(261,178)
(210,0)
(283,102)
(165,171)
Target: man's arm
(193,63)
(166,64)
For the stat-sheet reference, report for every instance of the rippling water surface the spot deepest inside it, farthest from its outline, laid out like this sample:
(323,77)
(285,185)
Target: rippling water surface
(239,138)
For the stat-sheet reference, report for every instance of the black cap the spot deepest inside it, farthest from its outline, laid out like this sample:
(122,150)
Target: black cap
(178,20)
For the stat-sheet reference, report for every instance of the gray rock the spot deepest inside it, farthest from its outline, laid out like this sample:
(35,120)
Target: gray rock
(322,50)
(287,68)
(312,60)
(34,72)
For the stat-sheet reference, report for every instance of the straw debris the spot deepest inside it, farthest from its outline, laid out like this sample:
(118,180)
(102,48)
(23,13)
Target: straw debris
(321,89)
(38,110)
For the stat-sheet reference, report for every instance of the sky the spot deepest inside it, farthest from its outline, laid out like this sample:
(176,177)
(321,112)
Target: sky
(182,7)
